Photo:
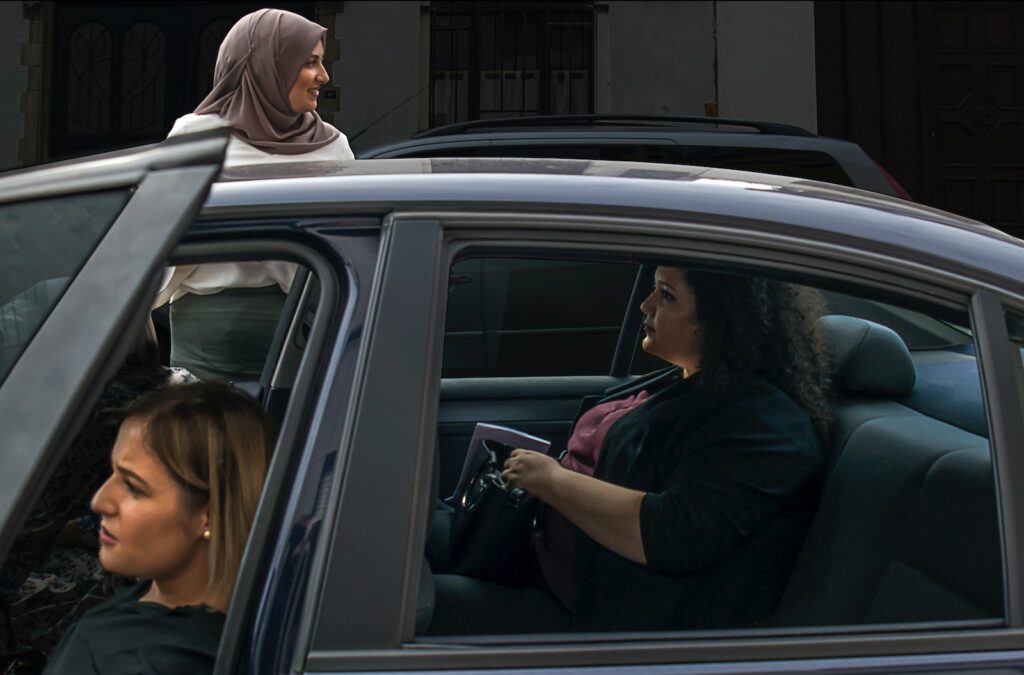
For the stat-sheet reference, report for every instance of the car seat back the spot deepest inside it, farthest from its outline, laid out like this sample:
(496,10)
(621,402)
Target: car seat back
(906,529)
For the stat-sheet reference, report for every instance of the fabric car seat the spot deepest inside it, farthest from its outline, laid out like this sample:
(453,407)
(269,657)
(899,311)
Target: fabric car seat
(906,529)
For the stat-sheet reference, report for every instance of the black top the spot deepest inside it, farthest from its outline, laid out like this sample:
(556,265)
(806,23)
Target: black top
(126,637)
(732,481)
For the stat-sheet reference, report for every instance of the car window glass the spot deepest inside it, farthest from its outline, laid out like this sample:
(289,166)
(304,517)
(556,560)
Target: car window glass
(43,245)
(510,317)
(894,521)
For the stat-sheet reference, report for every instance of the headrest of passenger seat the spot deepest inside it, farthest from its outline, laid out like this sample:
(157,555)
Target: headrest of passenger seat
(868,358)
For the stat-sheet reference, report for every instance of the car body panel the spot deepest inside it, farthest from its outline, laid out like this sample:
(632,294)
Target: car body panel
(757,204)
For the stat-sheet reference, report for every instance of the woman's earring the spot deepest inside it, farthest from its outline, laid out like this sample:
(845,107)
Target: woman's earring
(207,534)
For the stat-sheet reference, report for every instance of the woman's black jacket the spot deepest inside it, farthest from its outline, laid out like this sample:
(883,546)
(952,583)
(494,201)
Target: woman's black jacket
(732,478)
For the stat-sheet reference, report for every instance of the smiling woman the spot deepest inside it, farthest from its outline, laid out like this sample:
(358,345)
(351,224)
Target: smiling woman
(188,469)
(266,86)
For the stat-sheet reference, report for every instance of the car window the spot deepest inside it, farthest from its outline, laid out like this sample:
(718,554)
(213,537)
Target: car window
(511,317)
(894,521)
(43,244)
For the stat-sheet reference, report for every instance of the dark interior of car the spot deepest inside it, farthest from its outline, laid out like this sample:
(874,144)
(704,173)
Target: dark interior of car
(907,529)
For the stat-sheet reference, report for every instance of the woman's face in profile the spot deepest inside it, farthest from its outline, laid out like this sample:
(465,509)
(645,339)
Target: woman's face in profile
(306,88)
(670,320)
(147,530)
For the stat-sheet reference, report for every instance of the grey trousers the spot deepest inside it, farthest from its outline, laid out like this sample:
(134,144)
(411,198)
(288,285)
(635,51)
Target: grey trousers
(225,336)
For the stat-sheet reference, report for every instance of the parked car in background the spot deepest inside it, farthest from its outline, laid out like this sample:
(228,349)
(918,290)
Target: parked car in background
(745,145)
(380,369)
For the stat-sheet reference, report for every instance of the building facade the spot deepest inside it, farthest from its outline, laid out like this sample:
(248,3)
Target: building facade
(930,89)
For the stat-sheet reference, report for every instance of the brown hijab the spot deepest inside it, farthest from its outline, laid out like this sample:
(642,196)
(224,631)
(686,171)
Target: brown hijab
(257,65)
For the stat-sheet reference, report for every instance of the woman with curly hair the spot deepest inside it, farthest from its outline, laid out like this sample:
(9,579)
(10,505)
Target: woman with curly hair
(683,499)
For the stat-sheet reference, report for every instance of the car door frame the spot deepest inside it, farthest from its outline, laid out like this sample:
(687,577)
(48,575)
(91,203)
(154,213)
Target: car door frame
(340,252)
(388,646)
(53,384)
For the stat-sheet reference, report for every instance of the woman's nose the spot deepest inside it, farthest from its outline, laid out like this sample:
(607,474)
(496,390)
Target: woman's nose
(645,306)
(322,76)
(101,501)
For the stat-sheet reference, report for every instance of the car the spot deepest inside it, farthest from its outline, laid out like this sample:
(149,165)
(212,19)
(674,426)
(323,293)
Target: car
(745,145)
(911,561)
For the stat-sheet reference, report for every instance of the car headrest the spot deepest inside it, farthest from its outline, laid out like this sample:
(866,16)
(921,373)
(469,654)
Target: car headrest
(868,358)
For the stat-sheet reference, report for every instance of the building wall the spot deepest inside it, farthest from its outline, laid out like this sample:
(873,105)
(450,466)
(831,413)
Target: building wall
(655,58)
(13,77)
(379,73)
(766,62)
(748,60)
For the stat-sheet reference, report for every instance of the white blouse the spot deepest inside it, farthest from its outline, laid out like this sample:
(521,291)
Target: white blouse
(210,278)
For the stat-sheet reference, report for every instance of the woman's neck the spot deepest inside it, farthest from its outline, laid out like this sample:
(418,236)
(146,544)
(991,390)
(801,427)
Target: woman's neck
(188,588)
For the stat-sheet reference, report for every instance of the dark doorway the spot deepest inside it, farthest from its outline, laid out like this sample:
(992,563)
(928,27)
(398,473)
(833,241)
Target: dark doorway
(125,71)
(971,76)
(932,91)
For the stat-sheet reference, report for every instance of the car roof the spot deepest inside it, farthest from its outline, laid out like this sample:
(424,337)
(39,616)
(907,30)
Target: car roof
(622,188)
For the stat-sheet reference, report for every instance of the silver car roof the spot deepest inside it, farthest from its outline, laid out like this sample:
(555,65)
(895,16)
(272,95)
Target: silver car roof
(694,194)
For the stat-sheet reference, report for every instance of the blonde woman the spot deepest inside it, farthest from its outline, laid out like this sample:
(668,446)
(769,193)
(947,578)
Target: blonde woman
(267,84)
(188,469)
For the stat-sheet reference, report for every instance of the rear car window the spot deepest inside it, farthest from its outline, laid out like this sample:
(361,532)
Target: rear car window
(43,245)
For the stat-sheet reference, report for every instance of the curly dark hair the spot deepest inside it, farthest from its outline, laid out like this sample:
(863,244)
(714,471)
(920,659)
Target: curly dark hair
(752,324)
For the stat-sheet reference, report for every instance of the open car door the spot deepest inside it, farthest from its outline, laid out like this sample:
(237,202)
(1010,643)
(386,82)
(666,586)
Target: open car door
(82,245)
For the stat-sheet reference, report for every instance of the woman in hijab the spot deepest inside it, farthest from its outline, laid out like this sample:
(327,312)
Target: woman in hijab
(266,85)
(267,81)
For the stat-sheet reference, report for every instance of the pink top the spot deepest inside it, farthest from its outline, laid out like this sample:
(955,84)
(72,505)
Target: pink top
(556,548)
